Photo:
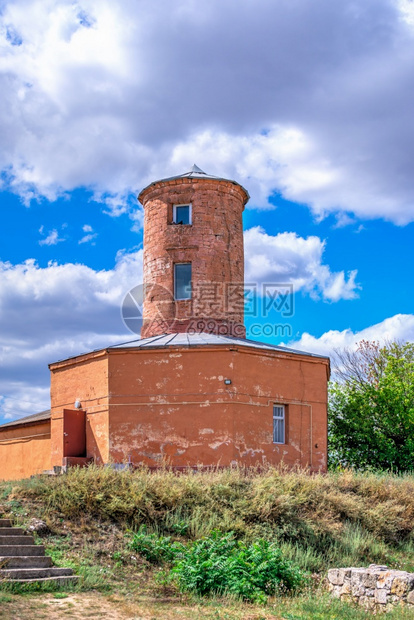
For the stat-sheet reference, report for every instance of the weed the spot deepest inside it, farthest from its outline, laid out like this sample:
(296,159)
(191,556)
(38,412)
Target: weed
(219,564)
(155,549)
(342,518)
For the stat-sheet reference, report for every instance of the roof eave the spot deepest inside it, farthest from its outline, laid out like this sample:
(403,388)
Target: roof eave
(195,177)
(24,422)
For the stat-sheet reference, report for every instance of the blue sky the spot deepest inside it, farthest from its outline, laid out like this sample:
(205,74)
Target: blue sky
(306,104)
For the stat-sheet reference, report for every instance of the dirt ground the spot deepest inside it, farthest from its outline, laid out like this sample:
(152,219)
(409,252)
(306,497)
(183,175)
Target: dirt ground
(95,605)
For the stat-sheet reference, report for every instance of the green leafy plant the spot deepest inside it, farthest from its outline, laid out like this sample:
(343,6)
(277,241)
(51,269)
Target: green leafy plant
(156,549)
(218,564)
(371,408)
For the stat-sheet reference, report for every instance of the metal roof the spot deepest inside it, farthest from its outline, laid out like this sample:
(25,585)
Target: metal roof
(203,339)
(195,173)
(192,340)
(29,419)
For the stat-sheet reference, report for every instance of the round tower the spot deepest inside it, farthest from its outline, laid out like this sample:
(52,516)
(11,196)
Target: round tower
(193,255)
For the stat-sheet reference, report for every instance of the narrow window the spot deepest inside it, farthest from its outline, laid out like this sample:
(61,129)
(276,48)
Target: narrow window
(182,281)
(182,214)
(278,424)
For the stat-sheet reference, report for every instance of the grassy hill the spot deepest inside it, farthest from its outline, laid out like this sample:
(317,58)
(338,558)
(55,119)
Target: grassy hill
(341,519)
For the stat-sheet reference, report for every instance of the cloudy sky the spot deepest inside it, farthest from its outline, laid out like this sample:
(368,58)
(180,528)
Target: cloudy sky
(308,103)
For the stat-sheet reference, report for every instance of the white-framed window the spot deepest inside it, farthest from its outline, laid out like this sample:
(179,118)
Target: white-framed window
(182,214)
(182,281)
(279,424)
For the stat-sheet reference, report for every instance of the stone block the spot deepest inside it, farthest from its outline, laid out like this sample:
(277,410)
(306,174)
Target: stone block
(369,580)
(336,591)
(367,602)
(346,573)
(381,597)
(385,580)
(357,574)
(399,585)
(410,582)
(334,577)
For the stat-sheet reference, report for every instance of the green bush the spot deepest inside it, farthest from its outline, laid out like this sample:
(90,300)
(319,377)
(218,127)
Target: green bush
(218,564)
(155,549)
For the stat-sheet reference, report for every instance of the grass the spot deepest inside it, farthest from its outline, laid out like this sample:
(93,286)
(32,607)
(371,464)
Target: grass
(340,519)
(94,605)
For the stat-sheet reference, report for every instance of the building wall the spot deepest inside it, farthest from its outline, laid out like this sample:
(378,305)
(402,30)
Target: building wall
(173,403)
(84,378)
(214,246)
(24,451)
(148,405)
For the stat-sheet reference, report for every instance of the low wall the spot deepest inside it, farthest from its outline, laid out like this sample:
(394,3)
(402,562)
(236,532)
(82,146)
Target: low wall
(376,588)
(24,450)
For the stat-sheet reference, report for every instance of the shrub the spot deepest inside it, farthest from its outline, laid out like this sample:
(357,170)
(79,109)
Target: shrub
(155,549)
(218,564)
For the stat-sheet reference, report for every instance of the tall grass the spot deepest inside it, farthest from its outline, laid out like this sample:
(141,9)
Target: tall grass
(320,521)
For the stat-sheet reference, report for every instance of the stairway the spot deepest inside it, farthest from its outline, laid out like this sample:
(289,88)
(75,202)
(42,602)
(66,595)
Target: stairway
(21,561)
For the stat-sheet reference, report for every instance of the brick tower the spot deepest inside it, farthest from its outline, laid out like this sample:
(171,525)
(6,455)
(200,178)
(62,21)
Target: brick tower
(193,390)
(193,255)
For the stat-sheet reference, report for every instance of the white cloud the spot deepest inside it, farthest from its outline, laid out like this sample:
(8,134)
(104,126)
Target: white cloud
(407,10)
(399,327)
(286,257)
(88,238)
(51,239)
(90,234)
(26,399)
(310,100)
(53,313)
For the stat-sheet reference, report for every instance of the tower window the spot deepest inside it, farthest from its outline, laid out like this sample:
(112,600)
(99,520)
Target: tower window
(279,422)
(182,214)
(182,281)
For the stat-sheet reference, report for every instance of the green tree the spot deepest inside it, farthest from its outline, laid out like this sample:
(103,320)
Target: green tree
(371,407)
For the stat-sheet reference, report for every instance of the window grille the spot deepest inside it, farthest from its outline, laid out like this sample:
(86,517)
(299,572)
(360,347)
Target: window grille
(279,424)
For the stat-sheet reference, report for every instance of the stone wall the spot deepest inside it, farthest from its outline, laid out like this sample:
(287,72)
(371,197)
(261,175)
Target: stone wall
(376,588)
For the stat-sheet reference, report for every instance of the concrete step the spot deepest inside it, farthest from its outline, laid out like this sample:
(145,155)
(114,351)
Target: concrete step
(34,573)
(21,561)
(58,581)
(16,540)
(26,561)
(12,531)
(19,550)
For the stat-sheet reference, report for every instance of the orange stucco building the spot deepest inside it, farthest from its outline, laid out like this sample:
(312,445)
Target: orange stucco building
(193,390)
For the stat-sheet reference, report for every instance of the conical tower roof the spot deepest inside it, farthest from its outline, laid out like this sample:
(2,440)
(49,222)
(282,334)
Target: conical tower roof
(194,173)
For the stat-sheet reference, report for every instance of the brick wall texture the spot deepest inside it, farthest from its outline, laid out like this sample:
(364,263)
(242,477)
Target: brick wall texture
(213,244)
